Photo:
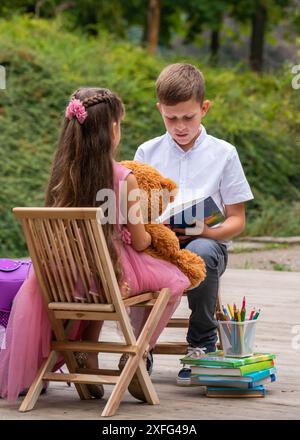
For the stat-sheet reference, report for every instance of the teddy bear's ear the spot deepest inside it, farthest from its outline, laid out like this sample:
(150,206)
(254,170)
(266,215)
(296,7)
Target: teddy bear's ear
(169,184)
(171,187)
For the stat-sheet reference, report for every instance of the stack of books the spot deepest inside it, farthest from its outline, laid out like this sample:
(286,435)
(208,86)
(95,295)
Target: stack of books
(230,377)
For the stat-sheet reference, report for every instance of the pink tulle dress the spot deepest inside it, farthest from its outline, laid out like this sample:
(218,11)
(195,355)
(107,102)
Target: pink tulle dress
(145,273)
(26,342)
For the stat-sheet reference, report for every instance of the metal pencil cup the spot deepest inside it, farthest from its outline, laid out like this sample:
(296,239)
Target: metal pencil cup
(237,337)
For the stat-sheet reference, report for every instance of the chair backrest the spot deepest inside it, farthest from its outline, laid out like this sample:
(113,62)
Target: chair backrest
(69,254)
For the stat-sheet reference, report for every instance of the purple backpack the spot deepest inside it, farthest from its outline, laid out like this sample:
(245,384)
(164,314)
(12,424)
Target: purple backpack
(12,275)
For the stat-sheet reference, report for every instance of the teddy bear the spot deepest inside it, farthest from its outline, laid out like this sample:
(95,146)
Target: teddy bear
(165,243)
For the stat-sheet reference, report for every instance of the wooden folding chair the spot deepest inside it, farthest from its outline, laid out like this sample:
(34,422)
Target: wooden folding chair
(68,248)
(180,347)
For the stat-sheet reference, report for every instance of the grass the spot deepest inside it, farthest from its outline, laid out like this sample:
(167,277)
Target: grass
(282,267)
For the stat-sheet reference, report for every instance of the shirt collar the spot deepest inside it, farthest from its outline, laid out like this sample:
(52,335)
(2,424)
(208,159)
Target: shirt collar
(196,145)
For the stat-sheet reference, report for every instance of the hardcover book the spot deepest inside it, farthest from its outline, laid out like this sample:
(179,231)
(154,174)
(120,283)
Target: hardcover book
(243,370)
(218,359)
(250,381)
(181,214)
(258,391)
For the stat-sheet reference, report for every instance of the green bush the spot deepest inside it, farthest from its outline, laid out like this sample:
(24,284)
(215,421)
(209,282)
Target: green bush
(45,64)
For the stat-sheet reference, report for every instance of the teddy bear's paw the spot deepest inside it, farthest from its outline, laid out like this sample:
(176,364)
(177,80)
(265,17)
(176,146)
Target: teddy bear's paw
(194,273)
(192,266)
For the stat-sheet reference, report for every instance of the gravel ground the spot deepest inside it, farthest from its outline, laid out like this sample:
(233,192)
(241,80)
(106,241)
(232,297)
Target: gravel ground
(259,256)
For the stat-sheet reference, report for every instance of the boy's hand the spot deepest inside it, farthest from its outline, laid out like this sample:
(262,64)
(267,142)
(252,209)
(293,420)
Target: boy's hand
(187,234)
(233,225)
(180,233)
(195,230)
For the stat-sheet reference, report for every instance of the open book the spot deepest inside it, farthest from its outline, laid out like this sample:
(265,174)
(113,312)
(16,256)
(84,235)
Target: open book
(183,214)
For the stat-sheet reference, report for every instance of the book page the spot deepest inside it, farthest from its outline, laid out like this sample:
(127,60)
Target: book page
(183,201)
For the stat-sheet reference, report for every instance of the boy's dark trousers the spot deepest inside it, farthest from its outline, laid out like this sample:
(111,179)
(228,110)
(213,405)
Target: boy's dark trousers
(202,331)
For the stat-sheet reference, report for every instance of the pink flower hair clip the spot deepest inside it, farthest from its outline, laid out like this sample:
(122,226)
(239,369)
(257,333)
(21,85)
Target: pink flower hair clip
(77,109)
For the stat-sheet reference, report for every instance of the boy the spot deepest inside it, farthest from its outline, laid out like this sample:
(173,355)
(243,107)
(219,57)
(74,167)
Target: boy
(196,160)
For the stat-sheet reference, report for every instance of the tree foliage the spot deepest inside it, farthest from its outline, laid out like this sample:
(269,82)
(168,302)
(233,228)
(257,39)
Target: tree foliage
(185,18)
(258,114)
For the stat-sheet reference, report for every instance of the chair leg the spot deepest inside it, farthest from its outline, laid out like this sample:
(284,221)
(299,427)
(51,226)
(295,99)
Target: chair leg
(126,375)
(72,365)
(146,384)
(121,386)
(143,341)
(136,364)
(61,335)
(34,391)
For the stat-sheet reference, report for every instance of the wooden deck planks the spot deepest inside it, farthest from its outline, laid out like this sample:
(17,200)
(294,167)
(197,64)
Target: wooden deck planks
(276,293)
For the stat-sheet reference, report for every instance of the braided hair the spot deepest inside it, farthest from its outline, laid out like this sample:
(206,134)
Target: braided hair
(83,161)
(104,97)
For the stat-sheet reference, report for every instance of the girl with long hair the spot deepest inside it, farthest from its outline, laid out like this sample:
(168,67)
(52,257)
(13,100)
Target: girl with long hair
(84,163)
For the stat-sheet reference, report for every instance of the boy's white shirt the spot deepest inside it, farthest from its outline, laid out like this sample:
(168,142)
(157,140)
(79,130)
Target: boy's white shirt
(211,168)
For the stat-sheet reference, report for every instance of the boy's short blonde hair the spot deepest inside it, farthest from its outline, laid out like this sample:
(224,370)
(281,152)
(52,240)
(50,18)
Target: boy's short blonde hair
(178,83)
